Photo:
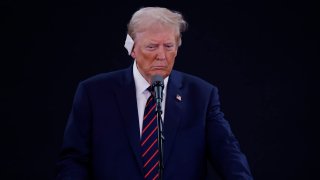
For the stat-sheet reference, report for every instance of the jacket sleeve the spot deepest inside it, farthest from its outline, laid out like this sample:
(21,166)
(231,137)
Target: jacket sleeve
(74,158)
(223,147)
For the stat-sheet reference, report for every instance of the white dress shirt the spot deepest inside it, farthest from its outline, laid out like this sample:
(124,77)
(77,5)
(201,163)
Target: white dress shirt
(142,94)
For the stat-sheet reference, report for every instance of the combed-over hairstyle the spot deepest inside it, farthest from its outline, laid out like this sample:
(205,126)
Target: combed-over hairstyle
(147,16)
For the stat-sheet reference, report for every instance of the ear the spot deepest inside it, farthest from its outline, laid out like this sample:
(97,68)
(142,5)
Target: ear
(133,54)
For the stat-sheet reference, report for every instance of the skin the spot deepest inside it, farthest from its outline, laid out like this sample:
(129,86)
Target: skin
(155,51)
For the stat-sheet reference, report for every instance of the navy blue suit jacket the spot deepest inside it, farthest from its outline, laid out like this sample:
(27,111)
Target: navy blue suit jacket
(102,137)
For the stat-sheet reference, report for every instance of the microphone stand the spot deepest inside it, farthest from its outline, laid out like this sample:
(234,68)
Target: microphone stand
(157,85)
(160,138)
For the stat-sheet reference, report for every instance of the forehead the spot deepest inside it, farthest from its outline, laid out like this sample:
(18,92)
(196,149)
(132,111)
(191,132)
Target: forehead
(157,33)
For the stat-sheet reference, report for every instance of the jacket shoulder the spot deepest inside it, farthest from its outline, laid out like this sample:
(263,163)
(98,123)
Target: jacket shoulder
(108,78)
(192,80)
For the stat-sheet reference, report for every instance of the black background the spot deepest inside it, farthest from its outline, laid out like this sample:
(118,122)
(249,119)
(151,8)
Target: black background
(261,54)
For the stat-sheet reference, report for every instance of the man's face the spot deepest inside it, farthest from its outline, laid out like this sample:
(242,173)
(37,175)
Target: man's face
(155,51)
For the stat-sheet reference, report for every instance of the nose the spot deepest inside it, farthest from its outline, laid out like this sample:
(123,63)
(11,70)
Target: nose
(161,54)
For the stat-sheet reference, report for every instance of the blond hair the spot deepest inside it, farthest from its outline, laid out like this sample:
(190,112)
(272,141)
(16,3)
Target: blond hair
(147,16)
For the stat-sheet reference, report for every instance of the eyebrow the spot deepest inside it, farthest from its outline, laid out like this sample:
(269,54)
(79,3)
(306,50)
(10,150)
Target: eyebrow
(153,43)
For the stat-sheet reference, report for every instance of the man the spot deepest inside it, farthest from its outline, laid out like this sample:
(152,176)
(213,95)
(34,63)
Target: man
(107,129)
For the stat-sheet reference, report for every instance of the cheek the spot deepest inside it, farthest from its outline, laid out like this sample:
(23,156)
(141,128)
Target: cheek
(146,60)
(148,56)
(171,57)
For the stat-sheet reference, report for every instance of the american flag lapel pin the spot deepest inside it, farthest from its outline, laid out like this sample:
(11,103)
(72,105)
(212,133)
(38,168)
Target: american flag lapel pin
(178,97)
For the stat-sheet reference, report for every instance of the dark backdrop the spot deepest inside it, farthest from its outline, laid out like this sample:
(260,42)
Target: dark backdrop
(261,55)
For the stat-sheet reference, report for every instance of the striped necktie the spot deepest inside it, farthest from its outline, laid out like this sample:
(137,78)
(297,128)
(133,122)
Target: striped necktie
(149,141)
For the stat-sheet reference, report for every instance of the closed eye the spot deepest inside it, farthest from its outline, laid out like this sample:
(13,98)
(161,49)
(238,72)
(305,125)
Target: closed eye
(169,46)
(151,47)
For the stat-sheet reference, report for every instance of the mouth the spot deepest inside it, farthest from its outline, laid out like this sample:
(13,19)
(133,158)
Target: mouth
(158,67)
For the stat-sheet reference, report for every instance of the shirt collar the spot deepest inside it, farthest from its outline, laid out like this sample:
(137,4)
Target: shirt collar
(141,83)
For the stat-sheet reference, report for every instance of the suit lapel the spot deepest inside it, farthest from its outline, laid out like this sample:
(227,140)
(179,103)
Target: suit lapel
(128,106)
(172,113)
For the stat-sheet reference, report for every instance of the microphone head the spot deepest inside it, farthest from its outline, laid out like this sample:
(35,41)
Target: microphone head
(157,80)
(157,88)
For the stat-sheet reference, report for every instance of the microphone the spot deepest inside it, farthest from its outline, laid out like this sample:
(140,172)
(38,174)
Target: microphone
(157,85)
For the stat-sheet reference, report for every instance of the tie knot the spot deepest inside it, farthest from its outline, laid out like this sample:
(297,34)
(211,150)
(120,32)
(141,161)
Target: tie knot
(150,89)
